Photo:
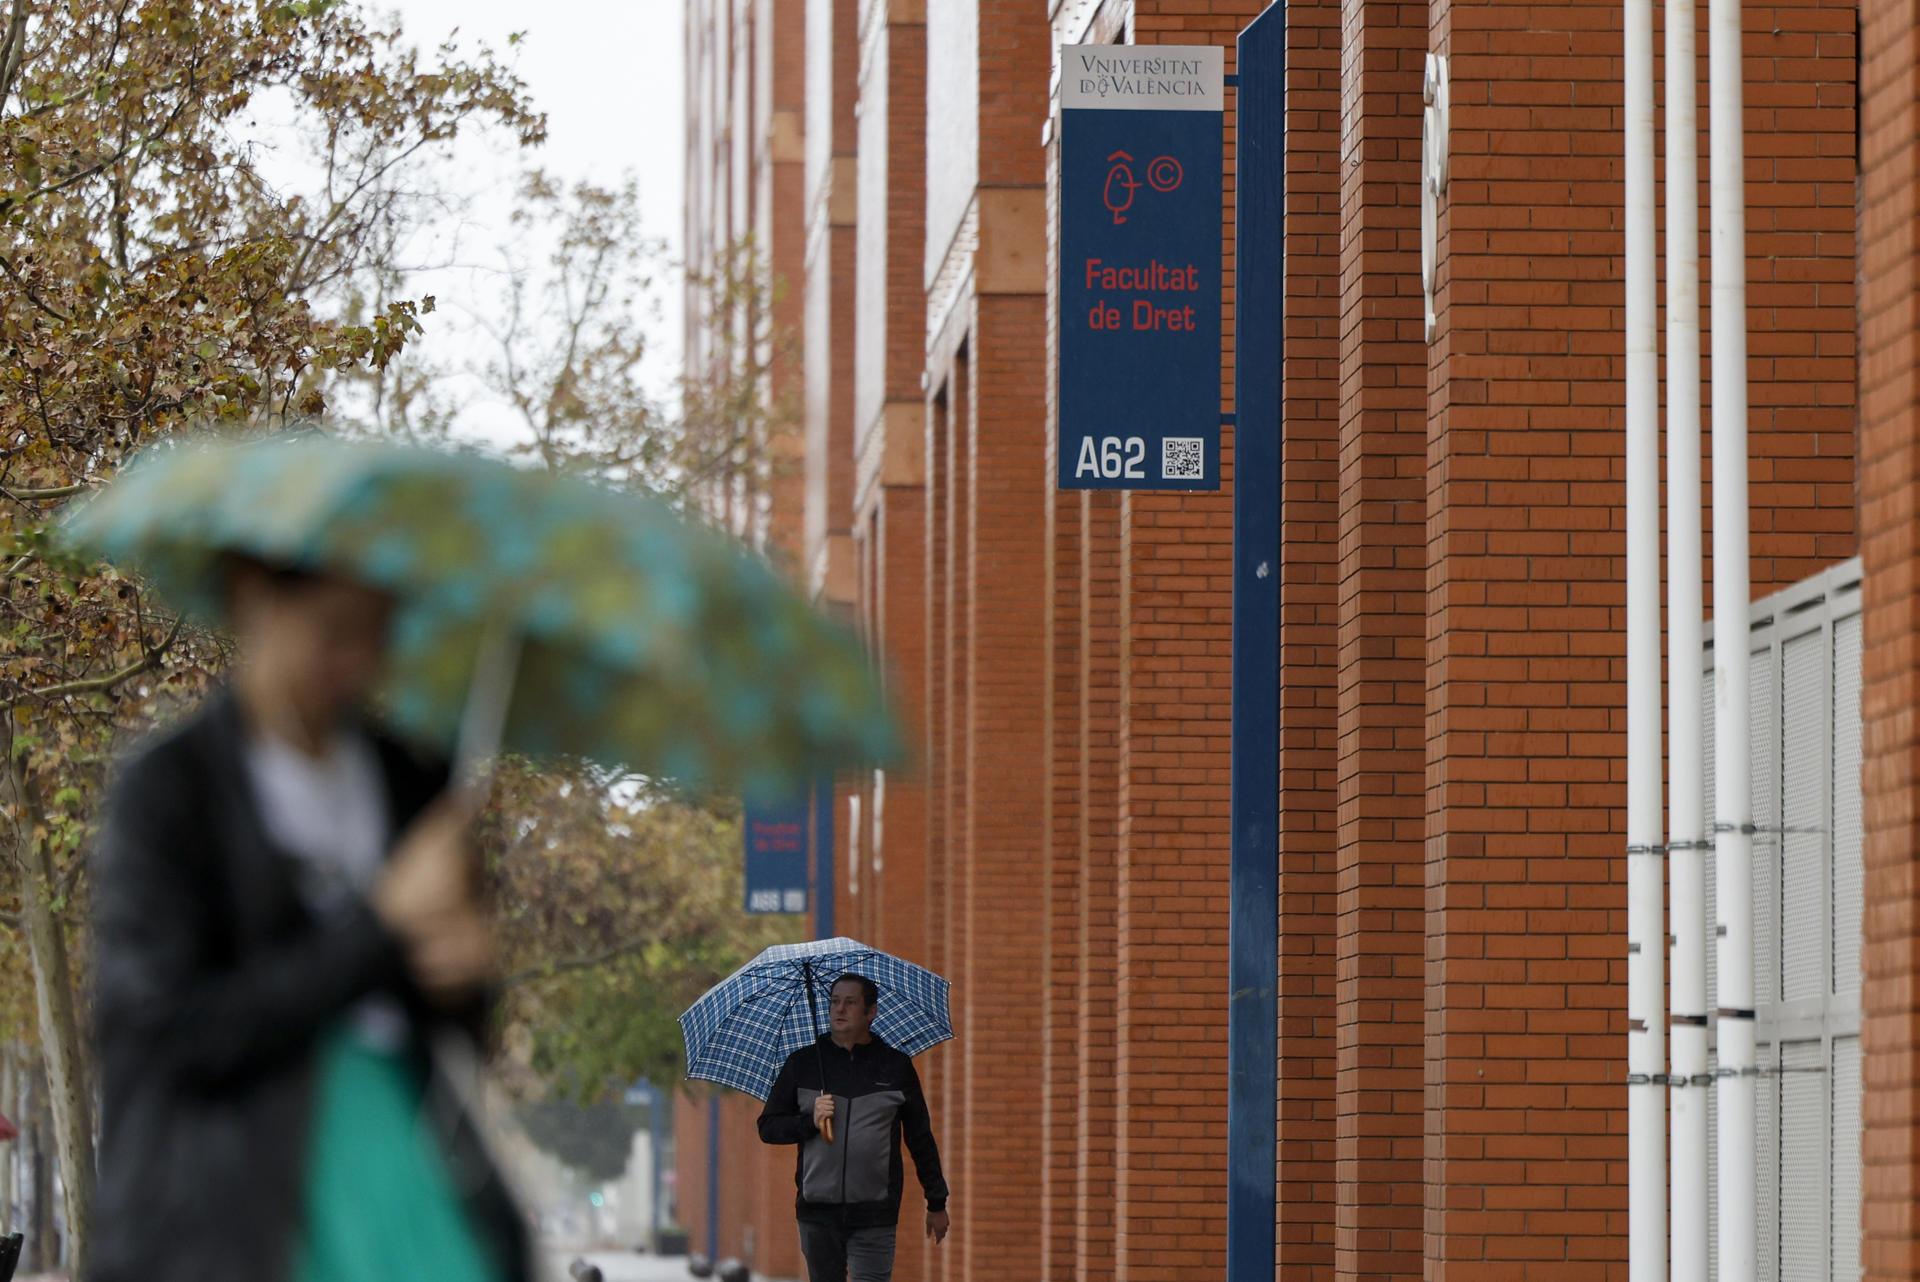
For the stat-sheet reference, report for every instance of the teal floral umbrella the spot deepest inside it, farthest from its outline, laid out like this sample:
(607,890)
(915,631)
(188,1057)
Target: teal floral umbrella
(596,623)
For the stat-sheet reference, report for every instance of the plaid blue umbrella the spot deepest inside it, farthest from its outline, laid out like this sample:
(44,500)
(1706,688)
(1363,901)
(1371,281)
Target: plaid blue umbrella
(742,1030)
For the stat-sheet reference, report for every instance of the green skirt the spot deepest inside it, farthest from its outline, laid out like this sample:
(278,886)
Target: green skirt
(379,1204)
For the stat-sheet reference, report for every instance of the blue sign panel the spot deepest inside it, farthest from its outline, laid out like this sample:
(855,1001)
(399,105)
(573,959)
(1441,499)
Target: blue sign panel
(778,858)
(1141,148)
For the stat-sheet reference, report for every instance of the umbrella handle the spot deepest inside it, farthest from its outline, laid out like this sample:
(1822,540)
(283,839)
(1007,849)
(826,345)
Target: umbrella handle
(483,723)
(826,1130)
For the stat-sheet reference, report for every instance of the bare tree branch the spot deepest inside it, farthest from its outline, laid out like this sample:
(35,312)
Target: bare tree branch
(99,166)
(32,296)
(13,52)
(42,496)
(147,662)
(569,965)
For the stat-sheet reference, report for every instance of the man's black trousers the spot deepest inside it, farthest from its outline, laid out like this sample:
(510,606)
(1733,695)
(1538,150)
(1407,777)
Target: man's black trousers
(836,1253)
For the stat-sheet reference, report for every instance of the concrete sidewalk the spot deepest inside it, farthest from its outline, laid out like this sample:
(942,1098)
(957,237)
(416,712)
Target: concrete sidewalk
(619,1267)
(630,1267)
(614,1265)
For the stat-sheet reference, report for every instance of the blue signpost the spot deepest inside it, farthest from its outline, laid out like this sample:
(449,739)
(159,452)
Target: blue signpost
(779,863)
(1253,962)
(1141,146)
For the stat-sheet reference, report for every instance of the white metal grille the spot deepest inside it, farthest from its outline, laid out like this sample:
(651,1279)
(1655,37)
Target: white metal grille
(1805,725)
(1804,1118)
(1846,1158)
(1805,777)
(1767,1155)
(1848,830)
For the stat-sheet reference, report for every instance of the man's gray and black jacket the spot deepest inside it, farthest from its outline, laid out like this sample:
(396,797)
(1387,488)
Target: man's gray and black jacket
(857,1179)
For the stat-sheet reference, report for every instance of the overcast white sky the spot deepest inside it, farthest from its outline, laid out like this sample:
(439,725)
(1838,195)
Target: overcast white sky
(607,72)
(609,75)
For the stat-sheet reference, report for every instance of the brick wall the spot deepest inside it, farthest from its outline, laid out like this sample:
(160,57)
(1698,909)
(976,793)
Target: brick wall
(1063,660)
(1525,1023)
(690,1157)
(756,1185)
(781,232)
(893,159)
(773,1251)
(1309,513)
(891,510)
(891,507)
(897,625)
(781,190)
(901,883)
(889,496)
(1081,1105)
(1451,1021)
(953,577)
(1889,320)
(939,764)
(906,200)
(1379,611)
(1171,864)
(1097,1111)
(983,352)
(1005,842)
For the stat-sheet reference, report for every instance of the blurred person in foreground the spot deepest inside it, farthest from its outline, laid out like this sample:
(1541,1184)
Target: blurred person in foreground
(287,915)
(867,1095)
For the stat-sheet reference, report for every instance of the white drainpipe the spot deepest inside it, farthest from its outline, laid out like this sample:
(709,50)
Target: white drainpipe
(1733,782)
(1646,944)
(1686,798)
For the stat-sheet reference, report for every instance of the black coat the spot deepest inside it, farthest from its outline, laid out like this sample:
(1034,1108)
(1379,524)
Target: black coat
(857,1180)
(214,984)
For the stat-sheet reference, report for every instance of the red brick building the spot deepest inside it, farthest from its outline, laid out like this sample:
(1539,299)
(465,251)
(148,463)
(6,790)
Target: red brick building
(1451,970)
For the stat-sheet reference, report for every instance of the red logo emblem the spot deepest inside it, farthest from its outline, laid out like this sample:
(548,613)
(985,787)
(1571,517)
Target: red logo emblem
(1121,185)
(1163,174)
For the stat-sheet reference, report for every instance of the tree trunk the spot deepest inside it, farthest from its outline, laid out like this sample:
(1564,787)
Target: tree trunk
(10,1109)
(67,1092)
(43,1239)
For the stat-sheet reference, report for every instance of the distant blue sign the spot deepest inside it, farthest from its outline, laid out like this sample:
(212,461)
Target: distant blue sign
(778,856)
(1141,148)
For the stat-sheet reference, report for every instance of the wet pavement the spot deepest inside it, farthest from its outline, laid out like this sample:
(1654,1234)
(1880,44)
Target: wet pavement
(629,1267)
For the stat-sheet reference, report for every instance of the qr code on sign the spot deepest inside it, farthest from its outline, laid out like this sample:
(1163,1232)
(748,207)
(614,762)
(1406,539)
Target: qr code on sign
(1183,458)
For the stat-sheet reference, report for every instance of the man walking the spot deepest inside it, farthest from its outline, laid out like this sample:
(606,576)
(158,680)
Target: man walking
(847,1101)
